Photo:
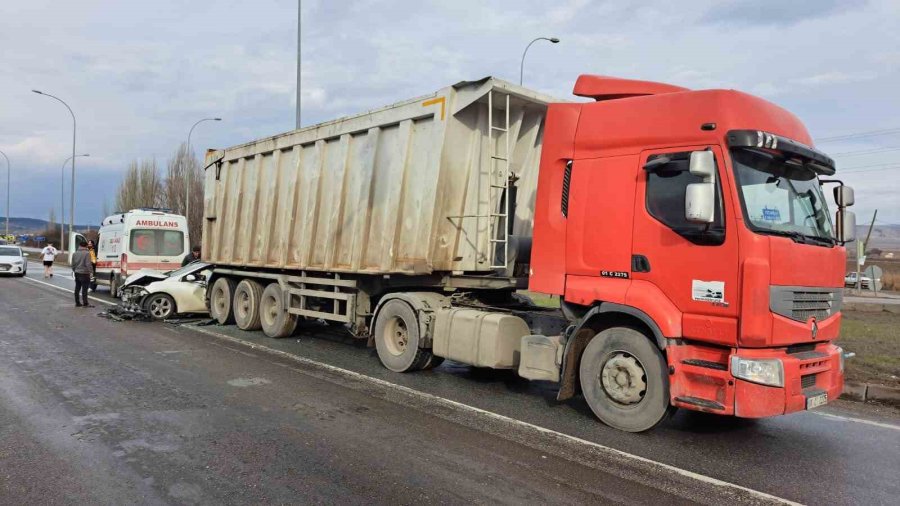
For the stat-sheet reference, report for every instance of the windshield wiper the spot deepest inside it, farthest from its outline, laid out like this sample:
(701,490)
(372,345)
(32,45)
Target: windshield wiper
(801,238)
(823,240)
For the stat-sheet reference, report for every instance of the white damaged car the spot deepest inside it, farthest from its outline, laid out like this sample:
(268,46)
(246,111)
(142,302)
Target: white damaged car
(164,295)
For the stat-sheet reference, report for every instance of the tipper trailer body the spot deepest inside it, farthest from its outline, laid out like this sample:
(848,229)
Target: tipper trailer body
(684,232)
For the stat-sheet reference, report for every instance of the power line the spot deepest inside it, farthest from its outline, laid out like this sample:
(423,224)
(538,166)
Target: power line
(859,135)
(870,166)
(867,151)
(868,170)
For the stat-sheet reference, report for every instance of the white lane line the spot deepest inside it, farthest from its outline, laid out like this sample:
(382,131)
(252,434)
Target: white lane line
(69,290)
(498,417)
(857,420)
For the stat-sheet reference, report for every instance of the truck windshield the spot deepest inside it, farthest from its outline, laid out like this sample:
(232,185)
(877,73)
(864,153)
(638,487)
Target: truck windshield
(781,196)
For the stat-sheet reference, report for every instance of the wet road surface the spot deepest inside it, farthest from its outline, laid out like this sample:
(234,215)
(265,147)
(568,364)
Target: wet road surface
(804,457)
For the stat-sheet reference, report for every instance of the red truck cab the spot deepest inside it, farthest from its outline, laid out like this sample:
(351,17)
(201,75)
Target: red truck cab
(696,221)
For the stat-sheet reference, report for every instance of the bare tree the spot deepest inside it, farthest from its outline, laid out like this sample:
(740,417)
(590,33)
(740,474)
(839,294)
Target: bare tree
(183,161)
(141,187)
(52,230)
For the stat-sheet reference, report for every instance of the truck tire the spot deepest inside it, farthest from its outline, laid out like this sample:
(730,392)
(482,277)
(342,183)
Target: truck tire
(397,338)
(246,304)
(275,320)
(160,306)
(624,380)
(220,307)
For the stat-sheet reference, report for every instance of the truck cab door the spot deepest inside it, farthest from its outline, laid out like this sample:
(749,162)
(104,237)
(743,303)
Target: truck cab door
(694,265)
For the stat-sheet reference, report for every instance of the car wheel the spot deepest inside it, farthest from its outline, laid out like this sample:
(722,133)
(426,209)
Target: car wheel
(246,304)
(273,316)
(624,380)
(160,306)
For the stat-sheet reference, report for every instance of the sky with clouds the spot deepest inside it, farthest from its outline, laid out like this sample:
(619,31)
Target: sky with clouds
(138,74)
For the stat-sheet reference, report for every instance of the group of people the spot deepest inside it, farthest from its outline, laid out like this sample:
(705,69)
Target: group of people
(84,267)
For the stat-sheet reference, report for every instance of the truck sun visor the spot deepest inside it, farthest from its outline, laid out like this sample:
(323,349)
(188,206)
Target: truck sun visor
(818,161)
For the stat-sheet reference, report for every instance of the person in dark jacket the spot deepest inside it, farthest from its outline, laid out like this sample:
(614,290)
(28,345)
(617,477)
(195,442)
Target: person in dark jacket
(82,268)
(193,256)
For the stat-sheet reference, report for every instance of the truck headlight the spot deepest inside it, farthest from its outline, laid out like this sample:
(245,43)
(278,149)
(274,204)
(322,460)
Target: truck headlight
(767,371)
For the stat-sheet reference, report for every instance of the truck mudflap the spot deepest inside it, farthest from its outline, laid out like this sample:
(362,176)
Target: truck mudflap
(700,379)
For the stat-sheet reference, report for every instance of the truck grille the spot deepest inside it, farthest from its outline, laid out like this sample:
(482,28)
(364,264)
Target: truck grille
(808,381)
(801,303)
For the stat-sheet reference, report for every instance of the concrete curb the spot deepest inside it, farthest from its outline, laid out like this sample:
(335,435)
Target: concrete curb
(871,392)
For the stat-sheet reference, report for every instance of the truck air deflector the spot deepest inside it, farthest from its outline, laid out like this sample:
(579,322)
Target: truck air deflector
(818,161)
(611,88)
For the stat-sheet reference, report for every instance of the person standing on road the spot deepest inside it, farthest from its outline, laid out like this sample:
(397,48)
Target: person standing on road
(193,256)
(93,252)
(48,255)
(81,267)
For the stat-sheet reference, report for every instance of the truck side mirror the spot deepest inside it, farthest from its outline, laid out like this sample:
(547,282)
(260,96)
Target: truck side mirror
(700,198)
(843,196)
(845,223)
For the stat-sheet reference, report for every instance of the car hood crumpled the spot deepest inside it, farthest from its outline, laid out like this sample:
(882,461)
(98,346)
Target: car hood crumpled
(143,278)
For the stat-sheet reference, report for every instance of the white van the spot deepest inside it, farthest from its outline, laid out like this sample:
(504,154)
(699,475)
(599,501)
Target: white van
(140,239)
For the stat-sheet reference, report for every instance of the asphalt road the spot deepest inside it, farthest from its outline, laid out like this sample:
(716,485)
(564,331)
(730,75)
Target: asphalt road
(99,411)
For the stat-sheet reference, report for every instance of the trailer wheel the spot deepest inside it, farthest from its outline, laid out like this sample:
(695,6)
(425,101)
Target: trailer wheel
(624,380)
(397,338)
(273,315)
(220,301)
(247,295)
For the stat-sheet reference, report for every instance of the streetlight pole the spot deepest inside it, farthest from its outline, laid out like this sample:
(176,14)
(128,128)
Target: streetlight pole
(299,19)
(553,40)
(187,174)
(74,129)
(62,198)
(8,169)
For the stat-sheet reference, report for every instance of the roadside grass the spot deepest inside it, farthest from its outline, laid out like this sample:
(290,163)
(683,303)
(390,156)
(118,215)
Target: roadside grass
(875,338)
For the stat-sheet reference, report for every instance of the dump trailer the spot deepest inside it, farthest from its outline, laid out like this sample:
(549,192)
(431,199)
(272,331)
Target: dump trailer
(684,233)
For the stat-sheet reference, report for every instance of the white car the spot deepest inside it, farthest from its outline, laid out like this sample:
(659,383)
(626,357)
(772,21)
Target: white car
(13,261)
(850,280)
(162,296)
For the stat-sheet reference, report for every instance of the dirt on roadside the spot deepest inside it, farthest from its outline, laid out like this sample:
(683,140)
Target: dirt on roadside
(875,338)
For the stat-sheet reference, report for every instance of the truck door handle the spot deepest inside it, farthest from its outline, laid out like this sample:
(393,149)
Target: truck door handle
(639,263)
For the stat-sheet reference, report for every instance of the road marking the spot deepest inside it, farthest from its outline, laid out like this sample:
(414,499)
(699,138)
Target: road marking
(498,417)
(69,290)
(857,420)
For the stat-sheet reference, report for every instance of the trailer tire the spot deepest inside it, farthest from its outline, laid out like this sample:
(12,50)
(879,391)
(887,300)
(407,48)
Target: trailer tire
(625,380)
(397,338)
(276,322)
(220,306)
(247,295)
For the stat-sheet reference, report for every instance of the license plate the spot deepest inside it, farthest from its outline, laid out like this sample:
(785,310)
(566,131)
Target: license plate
(816,401)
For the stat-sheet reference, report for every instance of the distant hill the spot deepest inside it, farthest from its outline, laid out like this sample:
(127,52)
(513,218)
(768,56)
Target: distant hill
(883,236)
(19,226)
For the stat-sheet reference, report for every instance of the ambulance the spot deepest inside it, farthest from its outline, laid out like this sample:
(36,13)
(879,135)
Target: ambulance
(146,238)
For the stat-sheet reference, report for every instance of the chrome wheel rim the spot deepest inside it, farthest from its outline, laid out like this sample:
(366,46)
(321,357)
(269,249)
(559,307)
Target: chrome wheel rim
(160,307)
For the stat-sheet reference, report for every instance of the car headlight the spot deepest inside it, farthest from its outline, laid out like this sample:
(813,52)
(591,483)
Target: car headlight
(841,358)
(18,262)
(767,371)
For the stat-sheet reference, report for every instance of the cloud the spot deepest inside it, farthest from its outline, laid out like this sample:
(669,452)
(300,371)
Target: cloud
(776,12)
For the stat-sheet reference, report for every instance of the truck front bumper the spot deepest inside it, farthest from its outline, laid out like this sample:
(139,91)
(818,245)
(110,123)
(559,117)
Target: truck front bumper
(701,379)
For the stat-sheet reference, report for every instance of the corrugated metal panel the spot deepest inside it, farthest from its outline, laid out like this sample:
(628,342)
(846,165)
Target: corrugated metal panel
(395,190)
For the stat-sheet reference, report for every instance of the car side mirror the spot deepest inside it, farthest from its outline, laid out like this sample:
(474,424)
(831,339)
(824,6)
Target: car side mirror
(190,277)
(700,198)
(845,225)
(843,196)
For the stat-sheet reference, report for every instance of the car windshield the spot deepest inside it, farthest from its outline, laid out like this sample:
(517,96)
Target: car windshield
(187,269)
(9,252)
(781,196)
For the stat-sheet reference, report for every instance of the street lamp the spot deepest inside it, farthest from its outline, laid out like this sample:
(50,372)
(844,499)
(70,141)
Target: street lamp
(187,179)
(554,40)
(7,190)
(62,199)
(74,128)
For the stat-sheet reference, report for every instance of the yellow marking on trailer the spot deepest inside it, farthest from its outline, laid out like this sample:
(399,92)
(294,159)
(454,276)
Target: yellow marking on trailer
(438,100)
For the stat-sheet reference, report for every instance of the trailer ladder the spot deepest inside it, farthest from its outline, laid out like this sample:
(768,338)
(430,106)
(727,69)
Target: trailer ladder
(498,191)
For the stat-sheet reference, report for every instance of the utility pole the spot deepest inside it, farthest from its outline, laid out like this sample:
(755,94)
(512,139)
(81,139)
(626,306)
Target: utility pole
(861,253)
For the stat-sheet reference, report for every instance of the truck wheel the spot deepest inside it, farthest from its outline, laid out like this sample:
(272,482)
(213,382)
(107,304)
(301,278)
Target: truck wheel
(246,304)
(397,338)
(220,301)
(624,380)
(160,306)
(275,320)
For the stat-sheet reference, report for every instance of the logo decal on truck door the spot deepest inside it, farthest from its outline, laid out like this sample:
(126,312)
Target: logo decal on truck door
(708,291)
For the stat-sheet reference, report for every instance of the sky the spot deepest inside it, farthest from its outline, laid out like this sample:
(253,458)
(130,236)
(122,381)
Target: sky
(138,74)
